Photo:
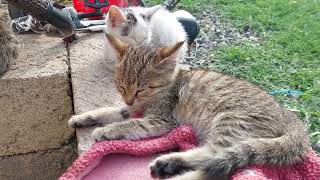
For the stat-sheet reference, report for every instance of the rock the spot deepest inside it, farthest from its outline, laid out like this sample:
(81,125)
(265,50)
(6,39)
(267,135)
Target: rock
(246,34)
(246,28)
(223,43)
(252,38)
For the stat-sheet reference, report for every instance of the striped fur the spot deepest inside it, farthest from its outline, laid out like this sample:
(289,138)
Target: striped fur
(237,123)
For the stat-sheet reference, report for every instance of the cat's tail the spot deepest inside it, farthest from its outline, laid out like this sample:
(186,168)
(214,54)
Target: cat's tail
(287,149)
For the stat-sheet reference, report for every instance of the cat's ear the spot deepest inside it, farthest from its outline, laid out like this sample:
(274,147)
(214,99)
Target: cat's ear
(167,56)
(115,16)
(120,46)
(151,10)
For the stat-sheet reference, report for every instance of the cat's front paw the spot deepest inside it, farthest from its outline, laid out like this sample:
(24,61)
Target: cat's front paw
(83,120)
(108,132)
(166,166)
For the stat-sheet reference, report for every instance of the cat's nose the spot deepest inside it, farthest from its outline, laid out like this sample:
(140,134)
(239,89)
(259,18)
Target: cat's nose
(129,102)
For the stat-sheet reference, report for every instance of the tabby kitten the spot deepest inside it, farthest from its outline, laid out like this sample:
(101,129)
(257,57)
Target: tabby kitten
(8,43)
(236,122)
(139,25)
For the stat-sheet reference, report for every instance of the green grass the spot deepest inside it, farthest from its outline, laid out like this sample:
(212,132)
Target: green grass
(287,56)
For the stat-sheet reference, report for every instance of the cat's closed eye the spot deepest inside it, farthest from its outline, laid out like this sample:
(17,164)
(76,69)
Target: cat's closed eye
(156,86)
(147,90)
(139,91)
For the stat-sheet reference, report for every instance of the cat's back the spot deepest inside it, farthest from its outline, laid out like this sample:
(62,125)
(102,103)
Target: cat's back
(204,94)
(216,84)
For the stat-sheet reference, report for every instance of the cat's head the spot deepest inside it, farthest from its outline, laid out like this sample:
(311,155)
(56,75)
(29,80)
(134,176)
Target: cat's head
(130,24)
(143,74)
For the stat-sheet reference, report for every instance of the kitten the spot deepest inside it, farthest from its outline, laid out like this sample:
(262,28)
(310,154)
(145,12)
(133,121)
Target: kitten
(139,25)
(236,122)
(8,43)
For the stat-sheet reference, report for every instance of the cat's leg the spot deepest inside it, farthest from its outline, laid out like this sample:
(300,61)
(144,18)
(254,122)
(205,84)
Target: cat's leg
(99,117)
(178,163)
(149,126)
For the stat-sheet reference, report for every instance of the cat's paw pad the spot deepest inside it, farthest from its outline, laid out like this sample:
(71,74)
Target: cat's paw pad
(82,120)
(168,167)
(106,133)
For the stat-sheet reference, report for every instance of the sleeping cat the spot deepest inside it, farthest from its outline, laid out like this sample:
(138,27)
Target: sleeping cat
(236,122)
(8,43)
(139,25)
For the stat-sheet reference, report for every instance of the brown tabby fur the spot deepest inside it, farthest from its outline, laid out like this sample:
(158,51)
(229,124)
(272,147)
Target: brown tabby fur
(236,122)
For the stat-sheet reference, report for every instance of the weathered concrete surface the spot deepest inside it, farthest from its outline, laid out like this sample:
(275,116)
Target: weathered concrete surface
(35,98)
(41,165)
(92,82)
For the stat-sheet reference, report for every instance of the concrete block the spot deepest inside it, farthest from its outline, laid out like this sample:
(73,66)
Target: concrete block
(92,81)
(40,165)
(35,98)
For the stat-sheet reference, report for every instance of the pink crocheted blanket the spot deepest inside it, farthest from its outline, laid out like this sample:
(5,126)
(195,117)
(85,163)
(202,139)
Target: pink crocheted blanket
(128,160)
